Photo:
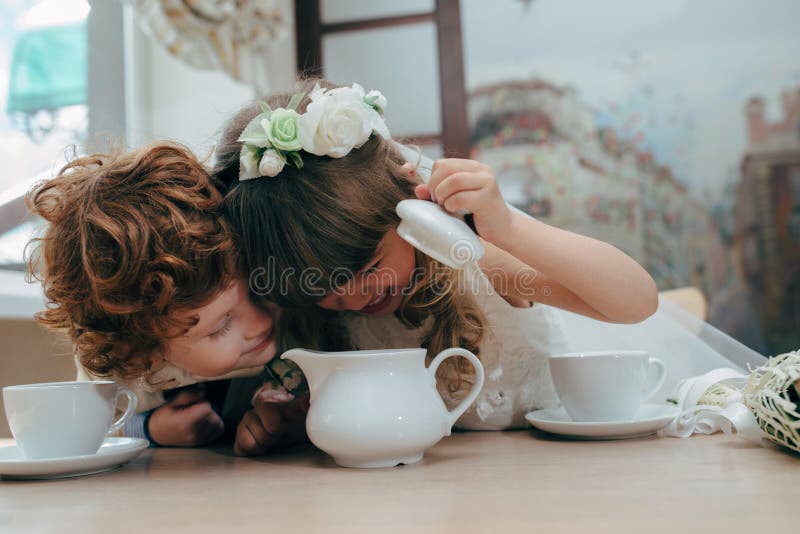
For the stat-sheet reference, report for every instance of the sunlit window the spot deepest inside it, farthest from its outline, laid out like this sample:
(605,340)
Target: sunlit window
(43,99)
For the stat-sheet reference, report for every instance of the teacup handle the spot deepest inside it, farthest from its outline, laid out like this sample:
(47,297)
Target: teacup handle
(459,410)
(661,375)
(129,410)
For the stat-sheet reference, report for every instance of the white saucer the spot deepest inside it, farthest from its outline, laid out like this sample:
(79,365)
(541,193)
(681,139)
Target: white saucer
(648,420)
(113,453)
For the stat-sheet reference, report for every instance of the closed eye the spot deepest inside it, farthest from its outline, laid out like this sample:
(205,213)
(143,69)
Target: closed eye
(222,330)
(372,268)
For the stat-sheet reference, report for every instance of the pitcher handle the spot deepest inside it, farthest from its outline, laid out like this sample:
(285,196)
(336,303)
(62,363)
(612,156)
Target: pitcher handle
(459,410)
(129,410)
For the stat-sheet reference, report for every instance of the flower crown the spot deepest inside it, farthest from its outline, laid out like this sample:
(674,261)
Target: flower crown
(335,122)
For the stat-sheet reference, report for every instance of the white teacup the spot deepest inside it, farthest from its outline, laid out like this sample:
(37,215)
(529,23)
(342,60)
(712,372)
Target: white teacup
(606,385)
(60,419)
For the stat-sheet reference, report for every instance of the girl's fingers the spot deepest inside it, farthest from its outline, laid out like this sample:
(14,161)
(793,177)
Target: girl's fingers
(265,425)
(463,200)
(460,181)
(246,442)
(423,192)
(442,168)
(269,392)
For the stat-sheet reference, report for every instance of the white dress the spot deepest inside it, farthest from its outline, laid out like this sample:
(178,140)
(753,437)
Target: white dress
(517,342)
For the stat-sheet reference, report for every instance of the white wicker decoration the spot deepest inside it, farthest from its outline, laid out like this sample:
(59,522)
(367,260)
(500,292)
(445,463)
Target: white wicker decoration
(773,395)
(231,35)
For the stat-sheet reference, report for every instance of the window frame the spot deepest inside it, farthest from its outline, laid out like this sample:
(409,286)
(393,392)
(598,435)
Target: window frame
(446,15)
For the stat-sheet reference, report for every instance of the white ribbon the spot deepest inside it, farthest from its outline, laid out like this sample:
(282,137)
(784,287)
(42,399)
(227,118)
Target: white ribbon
(732,418)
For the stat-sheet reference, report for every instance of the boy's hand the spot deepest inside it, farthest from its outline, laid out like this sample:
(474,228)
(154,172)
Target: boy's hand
(277,419)
(465,185)
(186,421)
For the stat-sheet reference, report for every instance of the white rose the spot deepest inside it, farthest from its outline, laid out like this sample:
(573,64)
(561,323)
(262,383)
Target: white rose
(248,162)
(376,100)
(335,122)
(378,125)
(317,92)
(376,103)
(271,164)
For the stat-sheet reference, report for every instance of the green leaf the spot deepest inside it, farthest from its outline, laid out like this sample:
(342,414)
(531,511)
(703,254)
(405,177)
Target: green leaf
(254,133)
(265,107)
(371,102)
(295,101)
(297,161)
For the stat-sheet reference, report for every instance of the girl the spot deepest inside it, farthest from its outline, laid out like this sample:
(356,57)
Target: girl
(328,213)
(141,271)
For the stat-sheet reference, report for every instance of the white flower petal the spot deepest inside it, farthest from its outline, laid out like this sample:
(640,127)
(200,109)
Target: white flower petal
(307,125)
(379,125)
(271,164)
(377,99)
(248,163)
(359,89)
(254,133)
(339,120)
(317,93)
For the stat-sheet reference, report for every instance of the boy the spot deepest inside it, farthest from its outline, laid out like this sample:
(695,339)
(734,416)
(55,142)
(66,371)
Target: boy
(140,269)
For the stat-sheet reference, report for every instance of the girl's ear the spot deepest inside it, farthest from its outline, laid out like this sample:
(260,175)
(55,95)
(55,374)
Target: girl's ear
(409,172)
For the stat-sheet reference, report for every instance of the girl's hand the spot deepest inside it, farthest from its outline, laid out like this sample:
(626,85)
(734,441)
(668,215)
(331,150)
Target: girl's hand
(276,420)
(464,185)
(188,420)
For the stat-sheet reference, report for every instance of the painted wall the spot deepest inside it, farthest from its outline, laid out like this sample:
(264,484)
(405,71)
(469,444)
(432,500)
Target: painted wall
(638,122)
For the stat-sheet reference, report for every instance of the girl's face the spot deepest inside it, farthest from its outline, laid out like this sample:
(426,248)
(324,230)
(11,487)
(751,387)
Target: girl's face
(378,288)
(231,333)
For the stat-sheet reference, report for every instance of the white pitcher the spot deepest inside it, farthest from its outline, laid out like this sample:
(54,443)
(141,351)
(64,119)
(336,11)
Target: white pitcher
(378,408)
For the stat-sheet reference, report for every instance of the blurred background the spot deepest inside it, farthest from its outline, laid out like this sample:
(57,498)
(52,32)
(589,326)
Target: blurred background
(670,129)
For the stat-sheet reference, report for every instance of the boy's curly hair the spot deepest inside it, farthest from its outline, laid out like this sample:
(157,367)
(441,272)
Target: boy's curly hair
(132,237)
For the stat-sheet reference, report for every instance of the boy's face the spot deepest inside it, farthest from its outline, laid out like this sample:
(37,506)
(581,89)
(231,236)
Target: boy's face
(378,288)
(231,333)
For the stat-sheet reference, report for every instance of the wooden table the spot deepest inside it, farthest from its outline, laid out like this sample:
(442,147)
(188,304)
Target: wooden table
(497,482)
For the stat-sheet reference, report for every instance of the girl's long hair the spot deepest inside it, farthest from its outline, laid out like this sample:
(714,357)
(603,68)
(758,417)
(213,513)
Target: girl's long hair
(309,230)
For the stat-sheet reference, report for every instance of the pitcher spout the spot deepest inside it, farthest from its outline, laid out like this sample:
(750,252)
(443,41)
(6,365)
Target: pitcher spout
(315,366)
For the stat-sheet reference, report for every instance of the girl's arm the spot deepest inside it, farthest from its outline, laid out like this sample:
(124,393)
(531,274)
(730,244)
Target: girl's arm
(521,285)
(573,272)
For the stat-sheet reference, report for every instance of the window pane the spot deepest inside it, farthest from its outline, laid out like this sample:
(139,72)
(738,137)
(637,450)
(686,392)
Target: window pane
(400,62)
(631,121)
(347,10)
(432,150)
(43,98)
(43,95)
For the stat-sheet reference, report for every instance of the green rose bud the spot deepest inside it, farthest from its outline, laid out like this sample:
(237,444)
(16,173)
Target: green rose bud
(281,127)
